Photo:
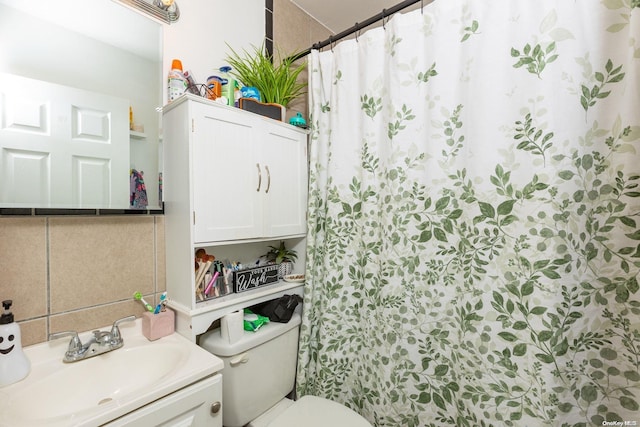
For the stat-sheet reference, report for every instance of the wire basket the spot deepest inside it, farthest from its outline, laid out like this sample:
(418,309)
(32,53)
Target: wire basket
(201,90)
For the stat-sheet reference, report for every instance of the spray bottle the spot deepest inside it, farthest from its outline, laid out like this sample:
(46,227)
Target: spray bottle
(176,81)
(14,365)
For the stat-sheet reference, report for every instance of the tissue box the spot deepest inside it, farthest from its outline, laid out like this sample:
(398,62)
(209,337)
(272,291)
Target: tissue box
(231,327)
(159,325)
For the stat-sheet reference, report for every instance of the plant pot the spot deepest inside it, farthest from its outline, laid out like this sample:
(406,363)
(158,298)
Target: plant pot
(274,111)
(285,267)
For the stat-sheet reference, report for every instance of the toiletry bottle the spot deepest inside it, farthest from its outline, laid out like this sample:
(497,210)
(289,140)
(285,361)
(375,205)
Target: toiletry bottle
(14,365)
(176,81)
(228,87)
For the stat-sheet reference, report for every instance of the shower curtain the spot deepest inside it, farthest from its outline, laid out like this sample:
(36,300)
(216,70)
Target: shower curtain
(474,217)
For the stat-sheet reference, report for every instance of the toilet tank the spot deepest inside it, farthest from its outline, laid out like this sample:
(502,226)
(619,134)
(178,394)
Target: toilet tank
(259,369)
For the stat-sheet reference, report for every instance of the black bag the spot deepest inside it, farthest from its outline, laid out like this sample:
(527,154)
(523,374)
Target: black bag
(278,310)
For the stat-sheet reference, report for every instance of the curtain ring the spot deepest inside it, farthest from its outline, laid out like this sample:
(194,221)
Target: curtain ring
(384,24)
(421,7)
(357,32)
(331,43)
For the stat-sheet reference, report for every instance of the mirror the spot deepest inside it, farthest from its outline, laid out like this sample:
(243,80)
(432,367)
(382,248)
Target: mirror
(71,72)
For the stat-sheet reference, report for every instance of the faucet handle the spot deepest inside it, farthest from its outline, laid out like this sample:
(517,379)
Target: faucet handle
(75,345)
(116,337)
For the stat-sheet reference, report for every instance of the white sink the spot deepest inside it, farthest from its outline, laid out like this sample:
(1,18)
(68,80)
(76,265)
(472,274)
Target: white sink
(97,390)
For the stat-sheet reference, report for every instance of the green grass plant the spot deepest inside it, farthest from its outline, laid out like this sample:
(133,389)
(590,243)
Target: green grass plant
(277,83)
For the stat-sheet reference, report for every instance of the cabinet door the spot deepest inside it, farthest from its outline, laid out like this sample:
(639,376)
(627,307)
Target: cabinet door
(227,176)
(194,406)
(285,162)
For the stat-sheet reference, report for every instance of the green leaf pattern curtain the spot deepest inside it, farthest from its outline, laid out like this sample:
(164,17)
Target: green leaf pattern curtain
(474,217)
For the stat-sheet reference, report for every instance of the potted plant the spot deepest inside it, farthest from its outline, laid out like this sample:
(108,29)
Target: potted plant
(277,84)
(282,256)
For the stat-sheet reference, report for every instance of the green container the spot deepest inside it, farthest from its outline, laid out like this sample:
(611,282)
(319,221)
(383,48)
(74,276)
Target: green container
(228,88)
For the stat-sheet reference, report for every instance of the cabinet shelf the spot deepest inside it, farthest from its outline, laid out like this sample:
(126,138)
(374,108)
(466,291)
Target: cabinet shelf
(137,135)
(193,322)
(239,299)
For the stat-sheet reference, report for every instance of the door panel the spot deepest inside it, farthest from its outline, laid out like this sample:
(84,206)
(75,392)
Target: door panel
(67,126)
(26,176)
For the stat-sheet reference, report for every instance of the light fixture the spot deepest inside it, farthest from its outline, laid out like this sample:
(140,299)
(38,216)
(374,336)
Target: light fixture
(166,11)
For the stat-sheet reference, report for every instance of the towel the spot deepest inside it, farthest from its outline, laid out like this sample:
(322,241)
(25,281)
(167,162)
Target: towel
(137,190)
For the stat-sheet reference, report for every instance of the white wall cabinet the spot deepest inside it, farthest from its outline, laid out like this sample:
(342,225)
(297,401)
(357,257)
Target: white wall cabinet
(231,177)
(250,175)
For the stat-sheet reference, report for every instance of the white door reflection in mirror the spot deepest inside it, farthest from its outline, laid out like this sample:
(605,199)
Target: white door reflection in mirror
(104,50)
(61,146)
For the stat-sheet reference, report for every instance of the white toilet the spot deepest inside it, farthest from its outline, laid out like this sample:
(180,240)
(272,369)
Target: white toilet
(259,371)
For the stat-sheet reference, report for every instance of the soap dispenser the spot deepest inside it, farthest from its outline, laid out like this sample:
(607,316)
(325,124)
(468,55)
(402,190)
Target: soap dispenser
(14,364)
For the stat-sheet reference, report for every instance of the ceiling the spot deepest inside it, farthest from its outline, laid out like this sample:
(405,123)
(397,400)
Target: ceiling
(338,15)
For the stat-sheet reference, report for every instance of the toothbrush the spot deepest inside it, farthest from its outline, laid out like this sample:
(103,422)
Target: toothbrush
(138,297)
(162,303)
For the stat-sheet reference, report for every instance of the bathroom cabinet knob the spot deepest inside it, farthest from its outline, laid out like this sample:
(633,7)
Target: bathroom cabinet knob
(215,407)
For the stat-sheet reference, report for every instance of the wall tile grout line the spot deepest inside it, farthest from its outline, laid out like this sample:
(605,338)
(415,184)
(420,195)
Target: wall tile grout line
(47,245)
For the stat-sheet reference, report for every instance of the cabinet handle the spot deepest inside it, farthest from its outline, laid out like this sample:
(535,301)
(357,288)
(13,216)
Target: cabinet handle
(215,407)
(268,179)
(259,176)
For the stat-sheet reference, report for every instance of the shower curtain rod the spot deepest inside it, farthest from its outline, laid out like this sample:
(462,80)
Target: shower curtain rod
(359,26)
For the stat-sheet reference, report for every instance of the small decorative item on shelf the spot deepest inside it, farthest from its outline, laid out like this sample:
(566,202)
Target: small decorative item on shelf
(298,121)
(252,278)
(294,278)
(283,257)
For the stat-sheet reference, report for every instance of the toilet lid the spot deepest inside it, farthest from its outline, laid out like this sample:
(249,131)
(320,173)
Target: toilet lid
(312,411)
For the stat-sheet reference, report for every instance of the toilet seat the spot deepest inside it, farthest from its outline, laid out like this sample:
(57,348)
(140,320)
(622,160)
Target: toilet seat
(313,411)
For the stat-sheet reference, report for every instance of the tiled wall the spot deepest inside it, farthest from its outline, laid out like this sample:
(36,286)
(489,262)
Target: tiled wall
(79,273)
(294,31)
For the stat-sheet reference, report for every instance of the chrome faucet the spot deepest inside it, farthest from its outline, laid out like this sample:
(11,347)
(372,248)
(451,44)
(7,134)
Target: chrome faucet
(101,342)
